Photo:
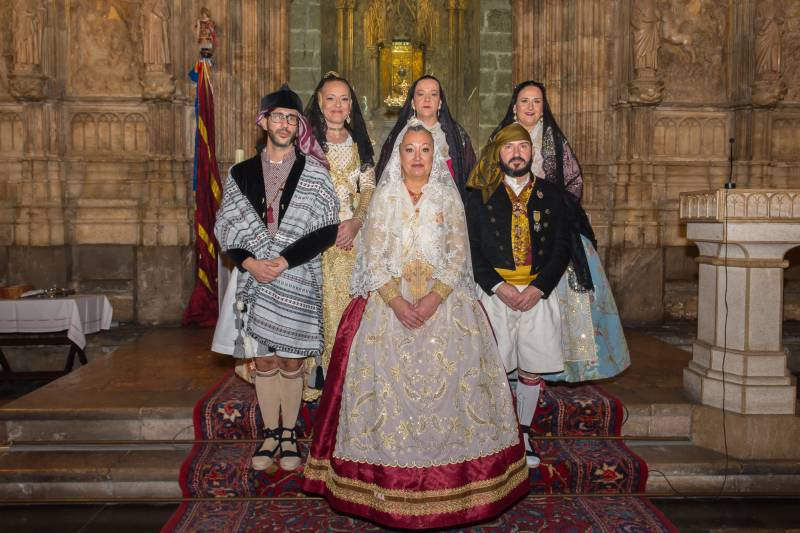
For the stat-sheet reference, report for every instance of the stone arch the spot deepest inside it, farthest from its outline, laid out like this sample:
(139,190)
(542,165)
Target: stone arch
(136,135)
(12,133)
(83,129)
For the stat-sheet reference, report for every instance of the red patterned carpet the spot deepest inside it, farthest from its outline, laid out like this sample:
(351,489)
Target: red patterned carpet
(220,471)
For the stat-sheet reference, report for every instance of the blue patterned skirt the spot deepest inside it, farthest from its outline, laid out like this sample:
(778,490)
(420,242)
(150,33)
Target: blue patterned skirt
(586,316)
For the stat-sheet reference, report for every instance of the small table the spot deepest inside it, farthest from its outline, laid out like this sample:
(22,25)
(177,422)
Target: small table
(51,321)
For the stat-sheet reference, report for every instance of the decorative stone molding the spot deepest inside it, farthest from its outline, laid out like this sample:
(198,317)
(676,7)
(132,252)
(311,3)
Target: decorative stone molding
(27,86)
(740,205)
(98,132)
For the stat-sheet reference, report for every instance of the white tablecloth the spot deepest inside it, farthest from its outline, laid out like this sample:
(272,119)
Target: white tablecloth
(80,315)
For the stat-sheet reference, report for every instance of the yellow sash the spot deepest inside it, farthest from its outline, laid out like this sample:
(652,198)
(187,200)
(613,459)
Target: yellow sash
(518,276)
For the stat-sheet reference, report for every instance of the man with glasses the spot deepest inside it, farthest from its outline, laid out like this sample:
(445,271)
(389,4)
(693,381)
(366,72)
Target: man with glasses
(279,212)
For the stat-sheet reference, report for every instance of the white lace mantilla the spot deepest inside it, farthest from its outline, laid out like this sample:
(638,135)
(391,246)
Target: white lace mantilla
(396,231)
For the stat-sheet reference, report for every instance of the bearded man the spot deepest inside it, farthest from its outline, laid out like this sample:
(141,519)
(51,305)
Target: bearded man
(279,212)
(520,249)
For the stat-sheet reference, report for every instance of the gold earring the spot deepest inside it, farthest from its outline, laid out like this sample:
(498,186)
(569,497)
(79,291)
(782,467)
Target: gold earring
(515,115)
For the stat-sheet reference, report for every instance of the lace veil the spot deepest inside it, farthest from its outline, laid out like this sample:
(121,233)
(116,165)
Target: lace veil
(396,231)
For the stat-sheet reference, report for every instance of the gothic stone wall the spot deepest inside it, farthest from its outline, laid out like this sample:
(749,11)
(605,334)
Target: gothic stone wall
(96,125)
(93,167)
(649,92)
(96,139)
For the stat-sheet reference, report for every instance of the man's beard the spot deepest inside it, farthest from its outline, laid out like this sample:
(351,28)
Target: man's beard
(277,142)
(516,172)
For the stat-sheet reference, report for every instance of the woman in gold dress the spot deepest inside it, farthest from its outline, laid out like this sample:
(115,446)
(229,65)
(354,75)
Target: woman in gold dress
(337,123)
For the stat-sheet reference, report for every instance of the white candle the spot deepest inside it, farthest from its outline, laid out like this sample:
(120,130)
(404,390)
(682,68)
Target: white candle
(238,156)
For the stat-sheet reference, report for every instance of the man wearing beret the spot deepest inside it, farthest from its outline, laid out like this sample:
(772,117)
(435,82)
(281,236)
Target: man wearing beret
(279,212)
(520,249)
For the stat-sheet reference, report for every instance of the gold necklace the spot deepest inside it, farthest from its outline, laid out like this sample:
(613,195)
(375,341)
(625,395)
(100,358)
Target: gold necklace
(415,196)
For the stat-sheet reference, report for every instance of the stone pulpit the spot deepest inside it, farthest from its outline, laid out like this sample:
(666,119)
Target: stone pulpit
(743,236)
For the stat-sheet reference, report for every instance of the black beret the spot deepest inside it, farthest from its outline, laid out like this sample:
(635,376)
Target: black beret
(283,97)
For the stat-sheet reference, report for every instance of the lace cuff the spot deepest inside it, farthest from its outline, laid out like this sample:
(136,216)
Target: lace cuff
(389,291)
(442,289)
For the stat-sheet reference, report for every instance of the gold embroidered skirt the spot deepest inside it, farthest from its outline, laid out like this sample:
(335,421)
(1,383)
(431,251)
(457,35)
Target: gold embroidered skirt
(418,428)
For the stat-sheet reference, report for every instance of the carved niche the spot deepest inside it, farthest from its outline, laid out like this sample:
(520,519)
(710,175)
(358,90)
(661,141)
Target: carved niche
(691,57)
(103,57)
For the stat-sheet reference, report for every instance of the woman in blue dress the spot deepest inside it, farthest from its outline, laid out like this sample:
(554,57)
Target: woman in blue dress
(593,341)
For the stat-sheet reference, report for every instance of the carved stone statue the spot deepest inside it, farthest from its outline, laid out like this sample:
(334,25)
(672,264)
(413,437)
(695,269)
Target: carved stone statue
(26,80)
(646,24)
(768,22)
(768,88)
(645,87)
(28,25)
(155,34)
(205,31)
(158,83)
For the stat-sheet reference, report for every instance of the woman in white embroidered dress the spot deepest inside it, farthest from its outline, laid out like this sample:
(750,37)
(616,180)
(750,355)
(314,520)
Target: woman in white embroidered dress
(416,427)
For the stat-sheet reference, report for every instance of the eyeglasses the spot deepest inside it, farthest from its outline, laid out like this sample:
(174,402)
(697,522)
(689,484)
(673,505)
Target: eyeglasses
(277,118)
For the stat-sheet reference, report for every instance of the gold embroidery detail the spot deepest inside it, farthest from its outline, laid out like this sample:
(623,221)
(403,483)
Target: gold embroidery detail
(442,289)
(337,264)
(422,380)
(389,291)
(418,503)
(520,225)
(417,274)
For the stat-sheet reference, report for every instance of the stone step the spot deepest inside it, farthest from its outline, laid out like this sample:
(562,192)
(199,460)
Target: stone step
(156,423)
(94,474)
(175,422)
(144,390)
(658,420)
(685,468)
(146,471)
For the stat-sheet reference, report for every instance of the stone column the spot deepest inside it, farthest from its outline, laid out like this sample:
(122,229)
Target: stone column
(738,362)
(277,58)
(522,37)
(344,25)
(455,15)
